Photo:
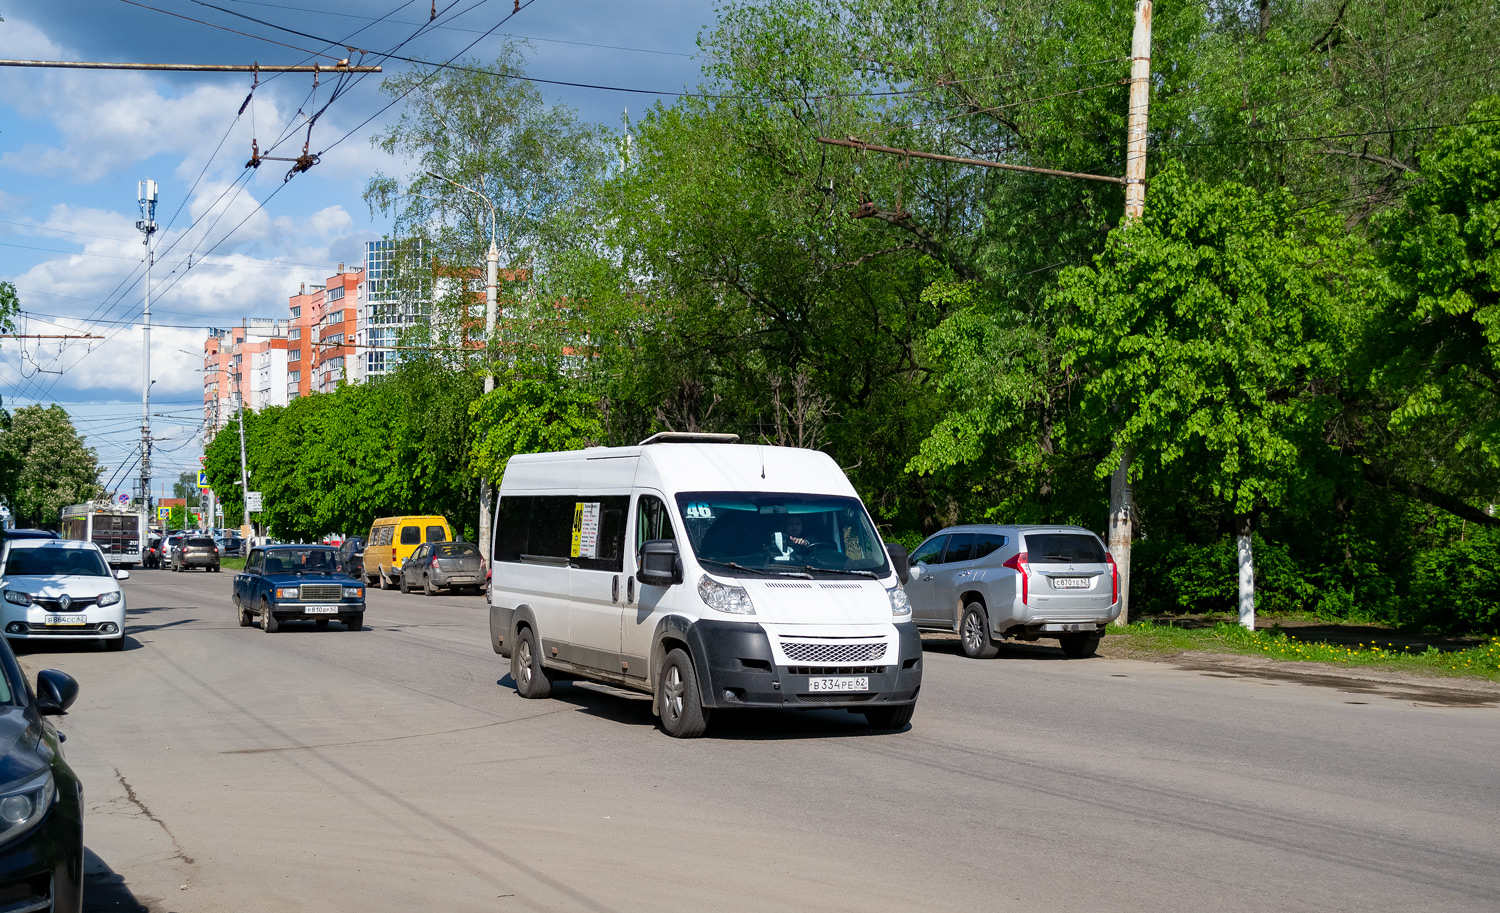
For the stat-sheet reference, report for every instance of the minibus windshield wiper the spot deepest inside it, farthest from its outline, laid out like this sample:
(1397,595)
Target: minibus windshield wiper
(733,566)
(832,570)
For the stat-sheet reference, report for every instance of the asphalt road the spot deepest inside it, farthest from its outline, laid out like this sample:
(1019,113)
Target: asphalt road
(396,769)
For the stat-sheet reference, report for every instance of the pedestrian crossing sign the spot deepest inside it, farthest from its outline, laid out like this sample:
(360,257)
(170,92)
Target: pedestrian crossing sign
(202,478)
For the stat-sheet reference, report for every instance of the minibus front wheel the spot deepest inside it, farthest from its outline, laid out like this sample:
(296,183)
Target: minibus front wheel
(683,715)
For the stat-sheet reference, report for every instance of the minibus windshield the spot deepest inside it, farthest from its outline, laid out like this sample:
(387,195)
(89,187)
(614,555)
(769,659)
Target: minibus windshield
(782,534)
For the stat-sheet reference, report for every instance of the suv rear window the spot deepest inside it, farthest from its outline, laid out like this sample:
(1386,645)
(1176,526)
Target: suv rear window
(1063,548)
(200,542)
(455,549)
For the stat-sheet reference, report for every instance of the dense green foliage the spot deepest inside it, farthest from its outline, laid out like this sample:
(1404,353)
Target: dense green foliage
(332,463)
(44,466)
(1304,329)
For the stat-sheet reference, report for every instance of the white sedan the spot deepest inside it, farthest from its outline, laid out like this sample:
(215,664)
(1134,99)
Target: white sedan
(60,589)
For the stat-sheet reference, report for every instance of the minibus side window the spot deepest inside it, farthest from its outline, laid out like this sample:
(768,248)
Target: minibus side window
(651,521)
(437,534)
(411,535)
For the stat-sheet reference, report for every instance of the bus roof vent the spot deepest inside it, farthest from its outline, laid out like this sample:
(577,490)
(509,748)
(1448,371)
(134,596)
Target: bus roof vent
(690,437)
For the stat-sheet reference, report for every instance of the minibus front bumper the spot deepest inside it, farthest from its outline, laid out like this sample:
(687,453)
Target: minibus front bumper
(736,668)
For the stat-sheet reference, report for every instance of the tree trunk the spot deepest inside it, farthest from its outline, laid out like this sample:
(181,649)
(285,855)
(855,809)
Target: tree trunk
(1121,519)
(1244,526)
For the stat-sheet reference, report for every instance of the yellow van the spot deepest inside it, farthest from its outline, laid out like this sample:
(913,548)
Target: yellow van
(393,539)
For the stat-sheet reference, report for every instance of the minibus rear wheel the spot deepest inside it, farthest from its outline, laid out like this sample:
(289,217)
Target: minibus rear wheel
(526,669)
(677,696)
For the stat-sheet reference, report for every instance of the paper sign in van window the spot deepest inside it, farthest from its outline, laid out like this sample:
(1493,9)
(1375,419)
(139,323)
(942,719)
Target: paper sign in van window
(585,529)
(699,510)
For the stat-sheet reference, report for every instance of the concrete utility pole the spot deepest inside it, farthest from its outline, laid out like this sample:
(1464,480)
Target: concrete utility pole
(491,295)
(1121,497)
(146,198)
(245,530)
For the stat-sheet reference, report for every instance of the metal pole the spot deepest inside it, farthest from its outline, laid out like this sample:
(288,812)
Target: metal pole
(491,294)
(146,198)
(188,67)
(244,473)
(1121,497)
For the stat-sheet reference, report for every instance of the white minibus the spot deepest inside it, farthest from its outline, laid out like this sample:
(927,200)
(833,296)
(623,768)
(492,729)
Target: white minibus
(709,574)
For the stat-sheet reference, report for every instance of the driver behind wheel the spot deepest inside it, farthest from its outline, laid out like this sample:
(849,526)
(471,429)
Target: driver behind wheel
(788,540)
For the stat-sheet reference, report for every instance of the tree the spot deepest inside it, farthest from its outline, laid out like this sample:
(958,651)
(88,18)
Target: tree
(1433,364)
(1216,329)
(529,415)
(186,486)
(44,466)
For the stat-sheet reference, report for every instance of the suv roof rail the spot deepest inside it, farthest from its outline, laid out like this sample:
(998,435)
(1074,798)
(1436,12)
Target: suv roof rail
(690,437)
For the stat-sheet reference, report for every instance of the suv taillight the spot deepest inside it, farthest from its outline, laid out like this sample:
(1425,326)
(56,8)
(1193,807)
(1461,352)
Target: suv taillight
(1017,563)
(1114,579)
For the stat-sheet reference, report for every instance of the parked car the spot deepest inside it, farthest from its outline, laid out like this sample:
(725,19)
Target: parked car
(438,566)
(41,799)
(230,546)
(986,583)
(392,540)
(672,568)
(352,556)
(285,582)
(60,589)
(29,534)
(196,551)
(169,546)
(151,557)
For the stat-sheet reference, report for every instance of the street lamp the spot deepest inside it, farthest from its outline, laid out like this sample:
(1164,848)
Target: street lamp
(492,277)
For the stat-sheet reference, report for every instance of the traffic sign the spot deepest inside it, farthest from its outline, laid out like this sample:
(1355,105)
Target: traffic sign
(123,498)
(163,513)
(252,500)
(202,478)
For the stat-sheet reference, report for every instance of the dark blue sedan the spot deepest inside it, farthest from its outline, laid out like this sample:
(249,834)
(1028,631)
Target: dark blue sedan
(281,583)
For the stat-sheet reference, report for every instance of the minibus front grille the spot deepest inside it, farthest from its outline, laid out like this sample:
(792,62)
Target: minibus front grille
(837,697)
(801,651)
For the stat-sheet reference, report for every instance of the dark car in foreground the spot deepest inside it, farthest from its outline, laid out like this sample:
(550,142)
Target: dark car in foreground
(283,583)
(41,800)
(438,566)
(196,551)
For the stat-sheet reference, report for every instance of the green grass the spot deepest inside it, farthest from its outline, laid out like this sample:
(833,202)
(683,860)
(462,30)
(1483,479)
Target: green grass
(232,564)
(1479,661)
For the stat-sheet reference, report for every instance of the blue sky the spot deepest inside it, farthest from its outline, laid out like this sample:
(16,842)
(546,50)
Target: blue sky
(74,144)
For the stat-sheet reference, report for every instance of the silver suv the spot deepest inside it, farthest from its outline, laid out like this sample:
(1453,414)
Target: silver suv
(989,583)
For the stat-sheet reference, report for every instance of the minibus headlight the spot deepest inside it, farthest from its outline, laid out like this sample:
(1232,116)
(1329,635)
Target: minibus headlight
(724,598)
(900,605)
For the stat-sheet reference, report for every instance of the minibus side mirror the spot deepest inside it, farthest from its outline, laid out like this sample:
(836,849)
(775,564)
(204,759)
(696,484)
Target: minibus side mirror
(900,559)
(659,563)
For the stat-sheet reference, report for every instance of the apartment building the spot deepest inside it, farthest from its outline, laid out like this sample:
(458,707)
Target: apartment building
(344,330)
(232,357)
